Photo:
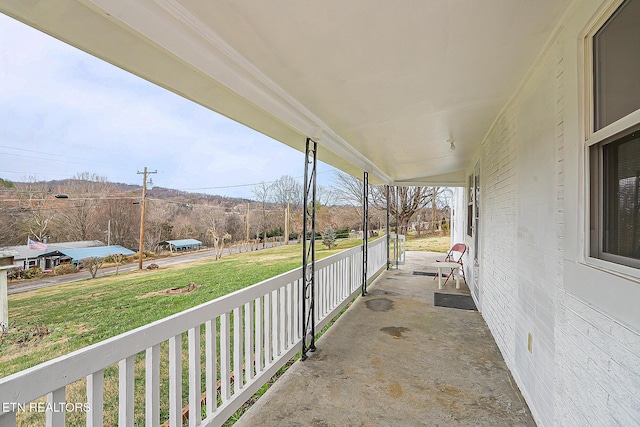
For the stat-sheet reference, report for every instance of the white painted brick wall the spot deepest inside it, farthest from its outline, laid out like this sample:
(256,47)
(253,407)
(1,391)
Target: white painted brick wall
(584,366)
(498,231)
(519,262)
(599,361)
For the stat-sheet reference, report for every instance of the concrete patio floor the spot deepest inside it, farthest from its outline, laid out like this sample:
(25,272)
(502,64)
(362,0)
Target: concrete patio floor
(394,359)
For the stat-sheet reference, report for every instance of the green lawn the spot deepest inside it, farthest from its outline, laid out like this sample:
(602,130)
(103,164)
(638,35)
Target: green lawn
(53,321)
(428,244)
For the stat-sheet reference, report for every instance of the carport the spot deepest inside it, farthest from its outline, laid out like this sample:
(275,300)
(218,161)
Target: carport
(181,245)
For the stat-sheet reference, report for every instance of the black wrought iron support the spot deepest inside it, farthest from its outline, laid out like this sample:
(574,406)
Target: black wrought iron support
(396,250)
(309,250)
(388,231)
(365,231)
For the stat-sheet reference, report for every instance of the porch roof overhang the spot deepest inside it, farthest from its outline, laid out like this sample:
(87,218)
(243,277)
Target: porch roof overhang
(382,86)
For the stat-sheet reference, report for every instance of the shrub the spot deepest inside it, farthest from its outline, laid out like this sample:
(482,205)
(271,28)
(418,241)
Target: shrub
(145,254)
(65,269)
(329,238)
(14,273)
(32,272)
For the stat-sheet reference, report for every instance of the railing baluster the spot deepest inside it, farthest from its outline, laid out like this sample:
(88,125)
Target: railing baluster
(152,386)
(258,332)
(337,295)
(326,290)
(237,349)
(267,329)
(125,392)
(211,368)
(175,381)
(56,401)
(194,377)
(319,295)
(290,303)
(95,398)
(248,341)
(275,350)
(294,312)
(282,309)
(225,392)
(300,312)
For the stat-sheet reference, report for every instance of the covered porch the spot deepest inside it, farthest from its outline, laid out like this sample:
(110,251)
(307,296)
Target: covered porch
(496,97)
(395,359)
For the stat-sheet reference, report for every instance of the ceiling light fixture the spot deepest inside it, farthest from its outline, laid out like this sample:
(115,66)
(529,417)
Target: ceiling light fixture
(452,142)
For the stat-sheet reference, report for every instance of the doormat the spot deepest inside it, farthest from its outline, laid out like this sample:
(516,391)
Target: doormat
(424,273)
(461,301)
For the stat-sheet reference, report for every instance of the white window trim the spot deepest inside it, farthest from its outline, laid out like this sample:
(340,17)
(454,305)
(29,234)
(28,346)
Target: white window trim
(592,138)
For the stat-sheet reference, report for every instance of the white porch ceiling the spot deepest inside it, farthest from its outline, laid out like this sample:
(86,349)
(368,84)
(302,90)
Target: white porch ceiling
(382,85)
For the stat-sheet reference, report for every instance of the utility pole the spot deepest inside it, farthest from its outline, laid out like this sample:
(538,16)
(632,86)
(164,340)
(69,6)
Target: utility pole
(286,225)
(247,230)
(144,196)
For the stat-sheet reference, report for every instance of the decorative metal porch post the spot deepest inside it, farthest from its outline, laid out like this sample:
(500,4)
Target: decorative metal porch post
(388,230)
(309,250)
(365,231)
(396,250)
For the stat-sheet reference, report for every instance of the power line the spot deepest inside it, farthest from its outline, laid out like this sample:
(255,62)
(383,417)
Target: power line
(63,157)
(34,174)
(241,185)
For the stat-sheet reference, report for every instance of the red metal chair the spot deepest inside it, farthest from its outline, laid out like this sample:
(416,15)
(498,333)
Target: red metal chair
(455,254)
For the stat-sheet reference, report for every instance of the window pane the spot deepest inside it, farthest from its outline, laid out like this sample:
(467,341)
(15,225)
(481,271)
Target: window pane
(621,213)
(616,48)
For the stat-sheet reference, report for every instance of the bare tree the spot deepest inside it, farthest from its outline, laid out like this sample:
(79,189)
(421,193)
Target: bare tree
(403,201)
(262,192)
(159,221)
(215,223)
(285,190)
(219,241)
(10,233)
(78,219)
(92,264)
(235,227)
(125,222)
(350,190)
(40,218)
(117,258)
(326,196)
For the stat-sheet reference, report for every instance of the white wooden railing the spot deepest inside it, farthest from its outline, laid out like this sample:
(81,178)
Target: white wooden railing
(397,248)
(237,360)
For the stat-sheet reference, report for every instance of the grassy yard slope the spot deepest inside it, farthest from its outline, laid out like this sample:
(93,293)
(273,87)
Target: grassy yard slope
(50,322)
(428,244)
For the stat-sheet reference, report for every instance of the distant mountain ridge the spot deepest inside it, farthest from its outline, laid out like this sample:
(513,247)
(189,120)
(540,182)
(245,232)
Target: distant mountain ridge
(57,185)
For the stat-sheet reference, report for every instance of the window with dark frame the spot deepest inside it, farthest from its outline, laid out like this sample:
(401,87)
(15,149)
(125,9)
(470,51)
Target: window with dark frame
(615,161)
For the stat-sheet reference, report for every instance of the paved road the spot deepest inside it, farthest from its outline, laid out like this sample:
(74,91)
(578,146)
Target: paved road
(162,262)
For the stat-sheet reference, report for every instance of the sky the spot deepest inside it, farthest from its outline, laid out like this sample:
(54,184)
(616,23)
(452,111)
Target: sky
(64,112)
